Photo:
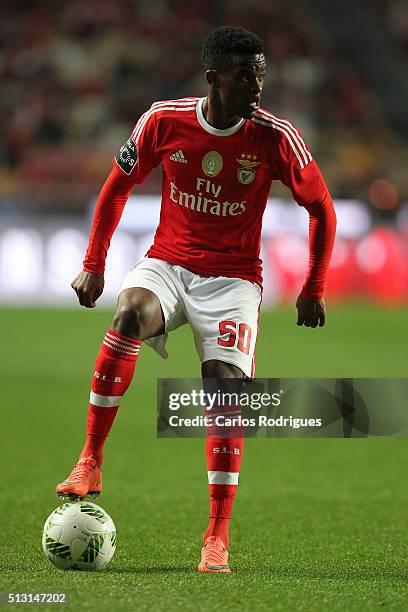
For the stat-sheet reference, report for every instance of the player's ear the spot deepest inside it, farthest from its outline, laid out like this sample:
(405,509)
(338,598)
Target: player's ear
(211,77)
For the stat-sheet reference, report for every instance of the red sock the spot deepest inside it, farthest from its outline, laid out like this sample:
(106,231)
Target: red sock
(223,461)
(113,374)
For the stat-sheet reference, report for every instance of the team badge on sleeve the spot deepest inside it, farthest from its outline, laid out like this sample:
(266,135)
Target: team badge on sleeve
(246,173)
(127,156)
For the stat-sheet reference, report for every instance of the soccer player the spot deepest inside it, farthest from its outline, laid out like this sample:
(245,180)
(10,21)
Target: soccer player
(219,156)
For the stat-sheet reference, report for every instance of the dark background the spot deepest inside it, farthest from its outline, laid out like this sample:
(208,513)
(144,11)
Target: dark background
(76,76)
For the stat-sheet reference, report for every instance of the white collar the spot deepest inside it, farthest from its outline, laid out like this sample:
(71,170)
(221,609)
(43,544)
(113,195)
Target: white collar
(209,128)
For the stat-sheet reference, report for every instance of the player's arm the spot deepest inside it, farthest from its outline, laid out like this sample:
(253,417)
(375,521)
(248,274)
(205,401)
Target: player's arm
(132,165)
(322,229)
(302,175)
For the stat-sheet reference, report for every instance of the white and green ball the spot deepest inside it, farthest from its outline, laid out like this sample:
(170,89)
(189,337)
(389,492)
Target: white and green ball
(79,536)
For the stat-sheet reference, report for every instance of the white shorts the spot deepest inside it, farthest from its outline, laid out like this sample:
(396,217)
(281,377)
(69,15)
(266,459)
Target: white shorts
(223,312)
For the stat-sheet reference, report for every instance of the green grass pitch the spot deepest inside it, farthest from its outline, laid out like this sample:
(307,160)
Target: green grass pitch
(318,524)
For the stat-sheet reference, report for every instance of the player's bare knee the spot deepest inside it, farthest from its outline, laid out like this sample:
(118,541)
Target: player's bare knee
(138,314)
(220,370)
(131,317)
(128,320)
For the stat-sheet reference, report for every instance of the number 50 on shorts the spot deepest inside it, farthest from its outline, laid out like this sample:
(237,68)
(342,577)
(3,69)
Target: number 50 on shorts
(234,334)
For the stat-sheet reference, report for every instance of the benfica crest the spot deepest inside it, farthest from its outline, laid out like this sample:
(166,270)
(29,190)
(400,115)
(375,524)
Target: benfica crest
(246,173)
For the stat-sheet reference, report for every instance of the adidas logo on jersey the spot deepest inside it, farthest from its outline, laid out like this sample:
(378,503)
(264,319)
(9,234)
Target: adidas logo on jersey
(179,157)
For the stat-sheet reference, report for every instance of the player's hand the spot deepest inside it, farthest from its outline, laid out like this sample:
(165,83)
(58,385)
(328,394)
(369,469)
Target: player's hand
(89,287)
(311,313)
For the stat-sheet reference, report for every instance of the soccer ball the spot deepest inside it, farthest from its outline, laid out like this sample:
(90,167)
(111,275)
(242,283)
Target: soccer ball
(79,536)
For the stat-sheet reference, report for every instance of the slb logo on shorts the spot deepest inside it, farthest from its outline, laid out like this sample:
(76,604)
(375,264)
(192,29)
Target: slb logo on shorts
(127,156)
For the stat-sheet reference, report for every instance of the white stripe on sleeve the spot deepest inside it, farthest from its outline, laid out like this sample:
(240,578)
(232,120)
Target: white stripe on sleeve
(301,162)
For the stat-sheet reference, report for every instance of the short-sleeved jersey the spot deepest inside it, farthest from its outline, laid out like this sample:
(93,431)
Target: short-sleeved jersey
(216,183)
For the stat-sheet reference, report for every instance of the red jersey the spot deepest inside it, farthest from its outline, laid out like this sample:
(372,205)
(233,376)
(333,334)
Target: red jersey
(215,186)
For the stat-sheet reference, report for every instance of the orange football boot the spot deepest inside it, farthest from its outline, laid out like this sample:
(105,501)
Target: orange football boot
(214,556)
(85,480)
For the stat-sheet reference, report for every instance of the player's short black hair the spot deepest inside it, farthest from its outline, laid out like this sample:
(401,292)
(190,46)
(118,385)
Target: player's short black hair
(227,41)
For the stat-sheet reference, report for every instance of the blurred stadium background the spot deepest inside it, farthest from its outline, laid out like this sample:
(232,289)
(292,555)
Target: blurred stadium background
(76,76)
